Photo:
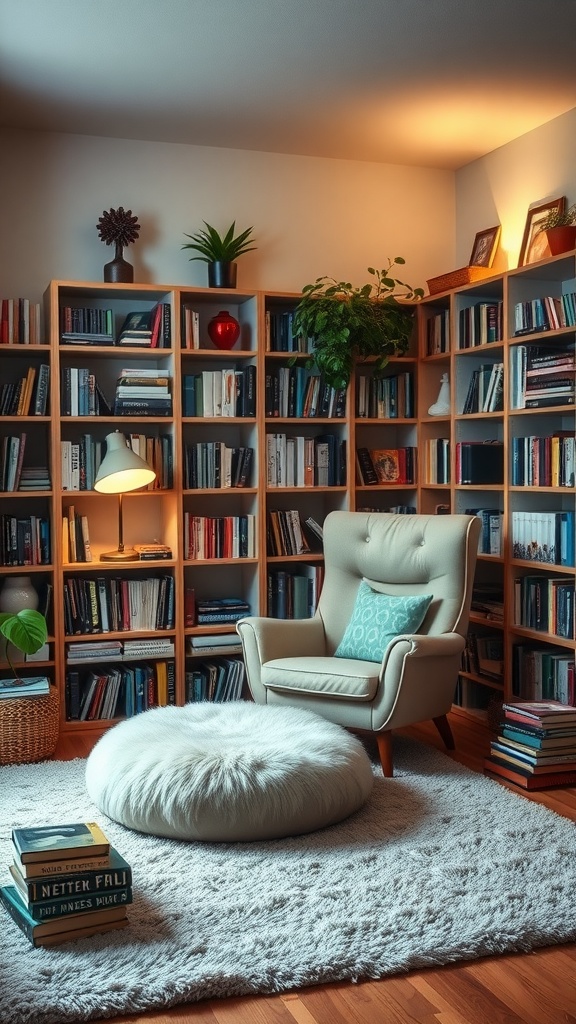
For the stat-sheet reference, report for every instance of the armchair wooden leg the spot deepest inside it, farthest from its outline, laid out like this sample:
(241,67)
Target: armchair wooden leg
(443,726)
(384,741)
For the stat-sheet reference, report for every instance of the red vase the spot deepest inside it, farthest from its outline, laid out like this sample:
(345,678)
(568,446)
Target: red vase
(224,330)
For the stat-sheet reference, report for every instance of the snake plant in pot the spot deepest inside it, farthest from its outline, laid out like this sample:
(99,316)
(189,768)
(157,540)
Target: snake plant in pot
(220,252)
(346,322)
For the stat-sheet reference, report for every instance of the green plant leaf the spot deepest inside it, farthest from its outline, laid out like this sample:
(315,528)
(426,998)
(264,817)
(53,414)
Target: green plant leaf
(26,630)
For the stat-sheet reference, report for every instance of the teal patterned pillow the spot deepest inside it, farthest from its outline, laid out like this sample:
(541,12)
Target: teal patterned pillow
(376,620)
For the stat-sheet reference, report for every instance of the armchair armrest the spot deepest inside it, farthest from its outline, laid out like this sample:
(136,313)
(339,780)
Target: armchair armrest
(264,639)
(418,679)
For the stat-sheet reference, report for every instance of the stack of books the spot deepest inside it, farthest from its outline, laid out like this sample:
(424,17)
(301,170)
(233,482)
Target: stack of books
(143,392)
(68,883)
(536,748)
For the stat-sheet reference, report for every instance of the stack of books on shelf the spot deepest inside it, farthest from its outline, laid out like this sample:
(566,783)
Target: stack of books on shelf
(85,325)
(488,601)
(19,322)
(68,883)
(541,376)
(143,392)
(386,465)
(34,478)
(118,650)
(149,328)
(223,393)
(536,747)
(214,643)
(32,686)
(221,610)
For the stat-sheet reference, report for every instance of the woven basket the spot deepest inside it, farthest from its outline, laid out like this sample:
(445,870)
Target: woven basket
(28,728)
(465,275)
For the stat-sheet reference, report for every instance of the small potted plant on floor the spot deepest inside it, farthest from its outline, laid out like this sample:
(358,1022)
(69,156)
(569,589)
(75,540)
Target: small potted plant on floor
(28,724)
(345,322)
(560,228)
(220,252)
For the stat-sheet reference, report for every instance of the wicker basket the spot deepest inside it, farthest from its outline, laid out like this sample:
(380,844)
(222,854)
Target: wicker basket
(28,728)
(465,275)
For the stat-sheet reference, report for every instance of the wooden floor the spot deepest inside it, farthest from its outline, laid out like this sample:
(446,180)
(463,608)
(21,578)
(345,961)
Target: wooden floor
(533,988)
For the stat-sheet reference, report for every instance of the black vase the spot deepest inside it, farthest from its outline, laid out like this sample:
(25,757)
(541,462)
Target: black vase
(119,270)
(222,274)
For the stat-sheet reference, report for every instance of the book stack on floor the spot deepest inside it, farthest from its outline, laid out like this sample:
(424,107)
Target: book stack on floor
(68,883)
(536,747)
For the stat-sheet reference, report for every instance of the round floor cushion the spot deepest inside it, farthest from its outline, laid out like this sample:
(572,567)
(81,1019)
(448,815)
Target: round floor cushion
(228,772)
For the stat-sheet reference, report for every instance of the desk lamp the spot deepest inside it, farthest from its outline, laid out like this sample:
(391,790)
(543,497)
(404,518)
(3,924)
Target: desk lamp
(121,471)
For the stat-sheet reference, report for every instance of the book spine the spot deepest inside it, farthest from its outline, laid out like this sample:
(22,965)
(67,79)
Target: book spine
(76,886)
(81,904)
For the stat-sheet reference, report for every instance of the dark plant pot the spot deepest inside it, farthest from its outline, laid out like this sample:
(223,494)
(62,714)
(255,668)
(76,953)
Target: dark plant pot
(561,239)
(119,270)
(222,275)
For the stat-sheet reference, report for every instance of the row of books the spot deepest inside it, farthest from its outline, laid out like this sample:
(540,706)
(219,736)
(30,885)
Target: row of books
(543,673)
(97,605)
(75,537)
(279,334)
(208,537)
(438,460)
(80,460)
(386,465)
(544,461)
(491,535)
(544,537)
(217,680)
(305,461)
(479,462)
(143,393)
(386,398)
(25,540)
(545,313)
(536,745)
(11,460)
(66,882)
(27,396)
(541,376)
(295,392)
(227,392)
(294,594)
(20,322)
(214,464)
(438,333)
(545,604)
(485,389)
(483,654)
(82,651)
(81,394)
(480,324)
(285,533)
(119,690)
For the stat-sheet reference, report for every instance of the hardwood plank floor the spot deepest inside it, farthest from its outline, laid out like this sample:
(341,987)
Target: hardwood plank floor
(530,988)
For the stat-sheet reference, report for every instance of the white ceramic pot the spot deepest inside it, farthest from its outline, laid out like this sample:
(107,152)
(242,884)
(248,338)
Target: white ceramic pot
(17,594)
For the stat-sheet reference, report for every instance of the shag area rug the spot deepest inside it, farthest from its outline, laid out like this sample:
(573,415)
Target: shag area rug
(440,865)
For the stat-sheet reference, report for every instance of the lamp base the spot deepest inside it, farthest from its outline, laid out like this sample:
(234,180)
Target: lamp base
(128,555)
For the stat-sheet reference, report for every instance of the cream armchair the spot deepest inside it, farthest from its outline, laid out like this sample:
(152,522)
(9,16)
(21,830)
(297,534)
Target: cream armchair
(291,661)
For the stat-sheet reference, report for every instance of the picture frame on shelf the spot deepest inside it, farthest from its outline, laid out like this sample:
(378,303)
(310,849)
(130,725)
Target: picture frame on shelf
(485,246)
(534,245)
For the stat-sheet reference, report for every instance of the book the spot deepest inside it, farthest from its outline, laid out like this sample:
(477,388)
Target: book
(33,686)
(61,929)
(116,874)
(39,843)
(541,712)
(527,781)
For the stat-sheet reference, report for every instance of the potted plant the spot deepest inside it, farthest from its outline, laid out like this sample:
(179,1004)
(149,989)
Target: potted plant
(26,630)
(220,252)
(345,322)
(560,228)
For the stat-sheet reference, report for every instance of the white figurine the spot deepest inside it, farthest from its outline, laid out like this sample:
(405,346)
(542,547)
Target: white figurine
(441,406)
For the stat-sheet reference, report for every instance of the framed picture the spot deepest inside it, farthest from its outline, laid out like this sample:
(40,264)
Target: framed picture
(534,243)
(484,248)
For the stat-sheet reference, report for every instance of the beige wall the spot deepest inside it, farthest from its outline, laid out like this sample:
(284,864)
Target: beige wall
(501,187)
(311,216)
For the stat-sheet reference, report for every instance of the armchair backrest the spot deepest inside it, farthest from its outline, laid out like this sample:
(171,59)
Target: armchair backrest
(399,555)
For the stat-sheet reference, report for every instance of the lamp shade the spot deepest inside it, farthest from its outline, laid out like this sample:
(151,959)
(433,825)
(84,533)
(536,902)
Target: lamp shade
(121,470)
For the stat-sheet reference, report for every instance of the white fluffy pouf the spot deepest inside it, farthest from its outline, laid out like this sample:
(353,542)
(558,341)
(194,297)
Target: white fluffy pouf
(228,772)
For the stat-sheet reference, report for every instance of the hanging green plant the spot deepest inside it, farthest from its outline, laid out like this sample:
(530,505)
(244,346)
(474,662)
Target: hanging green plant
(345,322)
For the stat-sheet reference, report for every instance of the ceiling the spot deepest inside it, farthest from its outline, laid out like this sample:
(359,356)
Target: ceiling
(433,83)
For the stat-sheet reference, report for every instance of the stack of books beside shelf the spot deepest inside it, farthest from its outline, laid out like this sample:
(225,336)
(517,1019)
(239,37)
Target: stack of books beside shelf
(219,679)
(19,322)
(68,883)
(224,393)
(536,747)
(143,392)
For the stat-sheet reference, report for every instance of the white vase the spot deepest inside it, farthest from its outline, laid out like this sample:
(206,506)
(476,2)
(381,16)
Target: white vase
(17,594)
(441,406)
